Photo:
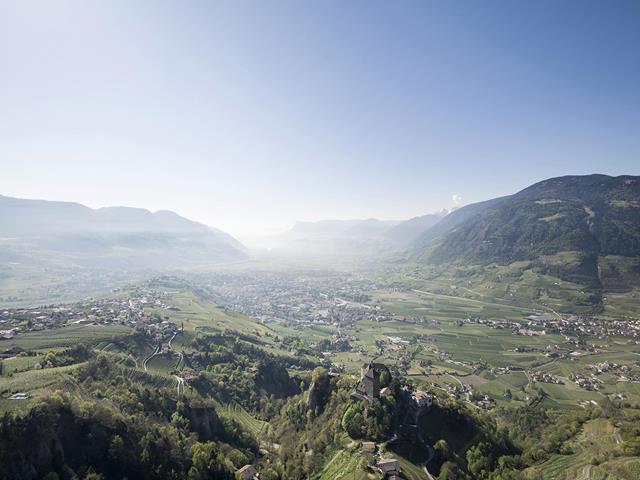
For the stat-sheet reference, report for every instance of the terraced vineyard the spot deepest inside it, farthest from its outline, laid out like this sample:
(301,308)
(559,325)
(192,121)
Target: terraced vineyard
(236,412)
(69,335)
(596,441)
(345,465)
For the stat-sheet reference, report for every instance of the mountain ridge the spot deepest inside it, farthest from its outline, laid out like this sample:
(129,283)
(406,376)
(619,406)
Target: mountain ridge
(581,229)
(123,236)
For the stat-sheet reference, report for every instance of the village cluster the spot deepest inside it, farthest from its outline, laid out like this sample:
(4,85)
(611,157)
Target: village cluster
(567,325)
(320,299)
(126,309)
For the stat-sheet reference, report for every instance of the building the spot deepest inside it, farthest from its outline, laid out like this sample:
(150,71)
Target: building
(369,386)
(248,472)
(422,399)
(19,396)
(6,334)
(388,466)
(369,447)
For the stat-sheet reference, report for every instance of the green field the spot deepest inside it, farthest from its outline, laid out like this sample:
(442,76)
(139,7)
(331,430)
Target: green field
(345,465)
(240,415)
(66,336)
(594,452)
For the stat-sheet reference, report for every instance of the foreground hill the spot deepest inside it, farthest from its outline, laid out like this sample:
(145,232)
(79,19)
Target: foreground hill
(114,237)
(581,229)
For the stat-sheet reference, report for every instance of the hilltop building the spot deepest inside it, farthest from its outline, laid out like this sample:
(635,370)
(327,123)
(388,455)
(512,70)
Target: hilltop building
(369,386)
(422,399)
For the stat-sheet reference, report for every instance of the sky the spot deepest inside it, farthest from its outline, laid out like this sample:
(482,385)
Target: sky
(251,115)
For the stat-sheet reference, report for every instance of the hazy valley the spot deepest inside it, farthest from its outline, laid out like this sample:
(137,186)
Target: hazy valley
(518,313)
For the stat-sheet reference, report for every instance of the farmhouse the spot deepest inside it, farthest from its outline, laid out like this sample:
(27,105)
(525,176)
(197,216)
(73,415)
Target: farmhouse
(388,466)
(422,399)
(369,447)
(6,334)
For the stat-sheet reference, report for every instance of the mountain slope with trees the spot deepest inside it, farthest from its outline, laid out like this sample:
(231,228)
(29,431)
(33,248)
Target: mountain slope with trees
(581,229)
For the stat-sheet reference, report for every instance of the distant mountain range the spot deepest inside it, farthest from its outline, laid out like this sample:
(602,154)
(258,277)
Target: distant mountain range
(407,232)
(114,237)
(341,237)
(362,237)
(580,230)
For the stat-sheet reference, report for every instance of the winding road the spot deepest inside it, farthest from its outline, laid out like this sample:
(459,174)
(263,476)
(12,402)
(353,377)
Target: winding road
(179,383)
(146,360)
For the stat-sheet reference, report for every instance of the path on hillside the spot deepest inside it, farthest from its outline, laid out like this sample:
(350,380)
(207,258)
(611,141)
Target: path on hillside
(134,360)
(171,340)
(157,351)
(616,436)
(327,465)
(179,383)
(146,360)
(424,469)
(585,474)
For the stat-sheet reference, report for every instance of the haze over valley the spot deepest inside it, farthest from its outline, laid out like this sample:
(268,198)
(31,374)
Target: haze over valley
(319,240)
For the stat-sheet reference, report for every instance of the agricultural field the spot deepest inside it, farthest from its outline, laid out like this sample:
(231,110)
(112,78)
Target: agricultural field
(426,337)
(236,412)
(68,335)
(201,314)
(344,465)
(33,382)
(594,454)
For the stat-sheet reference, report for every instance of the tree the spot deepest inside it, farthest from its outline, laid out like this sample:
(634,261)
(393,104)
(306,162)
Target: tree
(117,450)
(451,471)
(353,421)
(442,450)
(385,378)
(480,458)
(202,464)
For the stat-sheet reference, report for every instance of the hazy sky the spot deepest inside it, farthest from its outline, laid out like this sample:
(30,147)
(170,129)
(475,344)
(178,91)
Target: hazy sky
(249,115)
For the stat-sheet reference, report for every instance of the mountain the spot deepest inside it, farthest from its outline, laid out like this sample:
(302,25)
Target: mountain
(452,220)
(113,237)
(408,231)
(335,236)
(582,229)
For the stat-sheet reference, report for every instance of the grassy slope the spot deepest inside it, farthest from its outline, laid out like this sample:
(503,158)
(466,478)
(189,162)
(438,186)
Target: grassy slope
(596,440)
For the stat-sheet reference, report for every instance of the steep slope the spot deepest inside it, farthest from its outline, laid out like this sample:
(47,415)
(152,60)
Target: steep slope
(595,215)
(452,220)
(408,231)
(114,237)
(581,229)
